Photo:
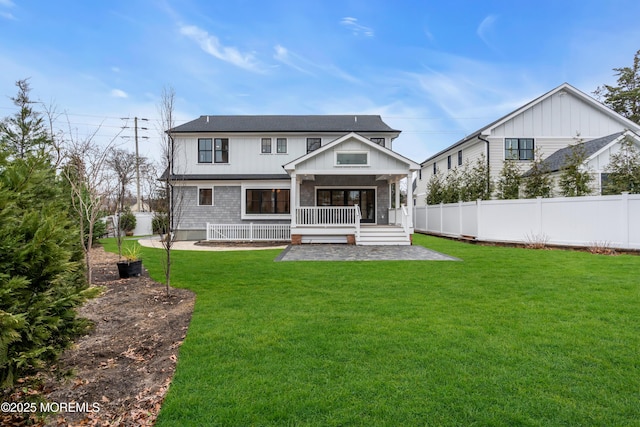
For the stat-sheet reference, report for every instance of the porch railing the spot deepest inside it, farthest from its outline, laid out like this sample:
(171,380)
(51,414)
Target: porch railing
(248,232)
(327,215)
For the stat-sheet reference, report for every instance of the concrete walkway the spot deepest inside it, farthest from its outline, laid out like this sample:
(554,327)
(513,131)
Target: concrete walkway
(192,246)
(324,252)
(330,252)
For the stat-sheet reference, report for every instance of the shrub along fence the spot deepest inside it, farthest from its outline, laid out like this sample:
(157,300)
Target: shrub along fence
(573,221)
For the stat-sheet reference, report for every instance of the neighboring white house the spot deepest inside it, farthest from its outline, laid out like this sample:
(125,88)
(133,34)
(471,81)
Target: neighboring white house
(298,178)
(551,122)
(597,152)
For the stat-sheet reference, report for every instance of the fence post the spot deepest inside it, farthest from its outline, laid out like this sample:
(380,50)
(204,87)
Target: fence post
(441,217)
(459,218)
(625,219)
(539,214)
(251,232)
(478,218)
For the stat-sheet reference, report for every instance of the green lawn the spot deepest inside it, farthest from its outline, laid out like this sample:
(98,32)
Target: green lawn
(506,337)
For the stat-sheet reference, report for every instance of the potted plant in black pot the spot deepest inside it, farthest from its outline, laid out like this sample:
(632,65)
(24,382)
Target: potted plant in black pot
(132,264)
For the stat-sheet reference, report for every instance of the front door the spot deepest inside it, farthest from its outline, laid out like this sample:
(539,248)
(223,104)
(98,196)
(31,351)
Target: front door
(365,198)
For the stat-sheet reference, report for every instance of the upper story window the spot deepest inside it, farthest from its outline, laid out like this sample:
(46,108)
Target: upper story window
(281,145)
(518,148)
(313,144)
(449,161)
(266,146)
(352,158)
(435,168)
(379,141)
(205,150)
(459,157)
(221,150)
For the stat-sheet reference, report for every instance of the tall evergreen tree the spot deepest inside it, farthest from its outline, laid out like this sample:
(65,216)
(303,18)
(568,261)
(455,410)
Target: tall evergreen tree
(625,97)
(25,132)
(41,270)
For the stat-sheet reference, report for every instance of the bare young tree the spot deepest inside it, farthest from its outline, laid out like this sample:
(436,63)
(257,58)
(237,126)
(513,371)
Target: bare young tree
(174,197)
(87,173)
(123,165)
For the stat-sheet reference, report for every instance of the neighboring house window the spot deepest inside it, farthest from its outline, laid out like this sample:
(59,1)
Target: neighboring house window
(435,168)
(205,150)
(459,157)
(205,196)
(352,158)
(379,141)
(281,145)
(266,145)
(270,201)
(222,150)
(449,161)
(518,149)
(313,144)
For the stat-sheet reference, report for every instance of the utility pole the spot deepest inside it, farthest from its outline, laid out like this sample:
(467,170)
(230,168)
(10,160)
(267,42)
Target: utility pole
(135,135)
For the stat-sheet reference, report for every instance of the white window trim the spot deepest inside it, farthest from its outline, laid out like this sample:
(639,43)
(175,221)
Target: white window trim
(286,145)
(213,195)
(262,186)
(338,152)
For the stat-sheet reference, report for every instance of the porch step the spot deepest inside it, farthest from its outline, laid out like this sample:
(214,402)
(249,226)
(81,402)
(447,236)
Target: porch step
(383,235)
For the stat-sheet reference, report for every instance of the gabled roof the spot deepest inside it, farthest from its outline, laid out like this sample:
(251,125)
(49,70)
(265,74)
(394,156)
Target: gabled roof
(311,123)
(486,131)
(292,165)
(556,161)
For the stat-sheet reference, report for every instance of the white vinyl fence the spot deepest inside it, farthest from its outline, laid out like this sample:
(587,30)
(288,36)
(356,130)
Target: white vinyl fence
(573,221)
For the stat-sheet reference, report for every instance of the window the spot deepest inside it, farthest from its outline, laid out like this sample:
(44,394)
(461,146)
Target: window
(313,144)
(204,150)
(222,150)
(518,149)
(449,161)
(459,157)
(205,196)
(266,146)
(352,158)
(269,201)
(435,168)
(379,141)
(281,145)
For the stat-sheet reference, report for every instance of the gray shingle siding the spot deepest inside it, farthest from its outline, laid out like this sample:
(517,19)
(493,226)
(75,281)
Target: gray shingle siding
(225,209)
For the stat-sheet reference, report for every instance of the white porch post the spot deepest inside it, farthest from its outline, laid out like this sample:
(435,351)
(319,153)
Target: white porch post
(410,199)
(397,204)
(293,198)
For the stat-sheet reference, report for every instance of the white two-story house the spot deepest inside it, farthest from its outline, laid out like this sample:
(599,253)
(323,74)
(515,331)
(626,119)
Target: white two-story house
(304,179)
(562,117)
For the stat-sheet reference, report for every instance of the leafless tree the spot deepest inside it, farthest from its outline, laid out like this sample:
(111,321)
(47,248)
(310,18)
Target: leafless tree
(174,197)
(86,170)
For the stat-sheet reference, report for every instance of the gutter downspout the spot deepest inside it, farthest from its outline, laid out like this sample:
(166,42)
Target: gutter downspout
(486,141)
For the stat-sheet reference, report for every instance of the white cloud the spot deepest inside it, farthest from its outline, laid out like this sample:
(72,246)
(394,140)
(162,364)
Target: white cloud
(211,45)
(6,3)
(356,29)
(485,29)
(9,16)
(117,93)
(283,55)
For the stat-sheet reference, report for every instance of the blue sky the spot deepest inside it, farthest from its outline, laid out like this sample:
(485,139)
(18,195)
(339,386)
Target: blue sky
(436,70)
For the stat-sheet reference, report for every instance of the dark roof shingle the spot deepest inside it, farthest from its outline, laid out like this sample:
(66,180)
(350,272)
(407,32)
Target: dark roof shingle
(311,123)
(556,161)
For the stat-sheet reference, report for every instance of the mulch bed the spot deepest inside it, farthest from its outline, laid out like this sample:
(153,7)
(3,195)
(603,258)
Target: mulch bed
(124,365)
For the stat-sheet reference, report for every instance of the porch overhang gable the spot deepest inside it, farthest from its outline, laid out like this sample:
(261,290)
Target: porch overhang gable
(626,134)
(408,165)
